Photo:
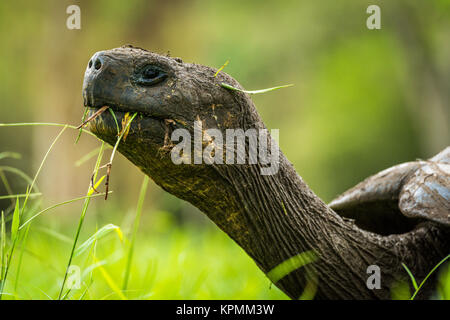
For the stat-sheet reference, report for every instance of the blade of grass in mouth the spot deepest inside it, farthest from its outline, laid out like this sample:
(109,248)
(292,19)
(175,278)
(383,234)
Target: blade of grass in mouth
(229,87)
(86,110)
(108,166)
(95,115)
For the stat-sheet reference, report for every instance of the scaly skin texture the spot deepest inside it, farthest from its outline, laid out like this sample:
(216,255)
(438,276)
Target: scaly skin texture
(273,217)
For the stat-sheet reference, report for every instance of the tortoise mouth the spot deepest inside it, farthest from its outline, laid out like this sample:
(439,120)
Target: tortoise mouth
(110,122)
(94,101)
(120,110)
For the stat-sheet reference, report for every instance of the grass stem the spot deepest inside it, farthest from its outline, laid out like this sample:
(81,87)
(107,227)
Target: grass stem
(135,229)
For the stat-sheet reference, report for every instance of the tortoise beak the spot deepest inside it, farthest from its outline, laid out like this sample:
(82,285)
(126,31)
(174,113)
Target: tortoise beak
(94,69)
(100,76)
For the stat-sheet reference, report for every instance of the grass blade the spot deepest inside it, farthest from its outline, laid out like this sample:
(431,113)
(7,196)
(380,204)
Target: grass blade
(21,174)
(93,116)
(88,156)
(135,229)
(8,154)
(227,86)
(102,232)
(290,265)
(221,68)
(29,188)
(40,168)
(15,222)
(60,204)
(428,275)
(12,196)
(115,120)
(19,263)
(80,222)
(123,134)
(2,249)
(413,280)
(7,185)
(86,110)
(310,289)
(48,124)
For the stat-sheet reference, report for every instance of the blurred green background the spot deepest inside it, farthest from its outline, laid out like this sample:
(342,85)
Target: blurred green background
(363,100)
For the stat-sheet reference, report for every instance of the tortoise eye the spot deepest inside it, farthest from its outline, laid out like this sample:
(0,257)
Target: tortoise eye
(151,75)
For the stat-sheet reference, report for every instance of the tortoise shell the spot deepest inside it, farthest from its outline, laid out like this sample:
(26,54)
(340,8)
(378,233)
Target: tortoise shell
(398,198)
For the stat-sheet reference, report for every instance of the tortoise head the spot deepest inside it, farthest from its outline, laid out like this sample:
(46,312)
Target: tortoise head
(166,94)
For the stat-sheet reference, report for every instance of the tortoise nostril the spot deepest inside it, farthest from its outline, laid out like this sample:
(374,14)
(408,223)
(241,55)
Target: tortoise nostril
(98,64)
(90,64)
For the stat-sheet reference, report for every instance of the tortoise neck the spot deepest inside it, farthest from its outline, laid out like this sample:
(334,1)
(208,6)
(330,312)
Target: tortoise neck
(276,217)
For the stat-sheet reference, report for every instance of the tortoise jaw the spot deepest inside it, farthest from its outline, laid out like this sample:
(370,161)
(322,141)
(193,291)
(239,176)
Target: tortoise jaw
(109,124)
(119,110)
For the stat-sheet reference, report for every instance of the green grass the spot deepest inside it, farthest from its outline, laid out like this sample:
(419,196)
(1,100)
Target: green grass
(163,261)
(83,214)
(413,279)
(229,87)
(149,258)
(169,262)
(135,230)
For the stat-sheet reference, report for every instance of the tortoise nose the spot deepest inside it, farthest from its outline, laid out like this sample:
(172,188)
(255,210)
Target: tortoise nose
(96,62)
(94,76)
(96,66)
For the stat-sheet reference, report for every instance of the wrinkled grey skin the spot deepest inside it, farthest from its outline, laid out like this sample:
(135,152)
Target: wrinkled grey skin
(274,217)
